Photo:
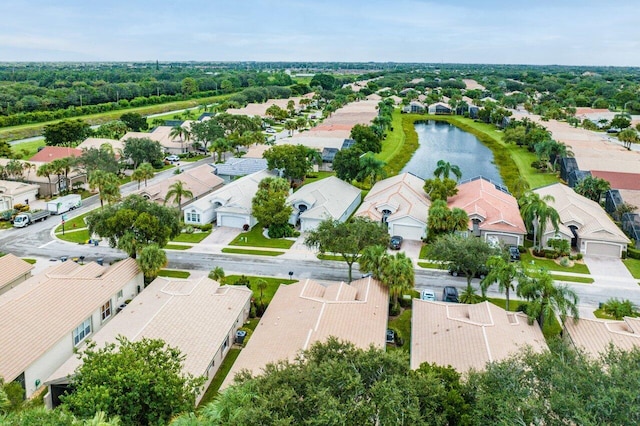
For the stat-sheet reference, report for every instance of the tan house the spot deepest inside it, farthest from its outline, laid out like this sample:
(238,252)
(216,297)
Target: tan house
(116,145)
(12,193)
(594,336)
(583,222)
(48,316)
(401,203)
(161,134)
(14,271)
(48,185)
(200,181)
(197,316)
(493,213)
(469,336)
(308,312)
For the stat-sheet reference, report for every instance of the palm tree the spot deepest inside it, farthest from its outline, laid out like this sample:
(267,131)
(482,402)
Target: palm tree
(444,169)
(536,213)
(370,167)
(217,274)
(186,134)
(14,169)
(619,309)
(151,260)
(261,285)
(291,126)
(220,146)
(63,166)
(176,192)
(546,298)
(27,167)
(398,275)
(373,260)
(178,131)
(502,272)
(107,184)
(45,170)
(142,173)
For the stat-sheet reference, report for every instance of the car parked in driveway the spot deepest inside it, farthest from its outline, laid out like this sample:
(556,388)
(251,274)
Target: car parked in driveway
(172,158)
(270,130)
(396,242)
(514,253)
(450,294)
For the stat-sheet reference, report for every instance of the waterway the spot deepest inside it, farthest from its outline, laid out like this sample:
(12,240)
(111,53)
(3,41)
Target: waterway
(439,140)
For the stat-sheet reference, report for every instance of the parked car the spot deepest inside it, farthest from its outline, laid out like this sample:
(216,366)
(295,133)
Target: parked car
(428,294)
(391,336)
(270,130)
(172,158)
(450,294)
(456,272)
(514,253)
(396,242)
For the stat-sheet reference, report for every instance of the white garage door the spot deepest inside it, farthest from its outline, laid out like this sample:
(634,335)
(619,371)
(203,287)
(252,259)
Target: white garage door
(231,221)
(602,249)
(407,232)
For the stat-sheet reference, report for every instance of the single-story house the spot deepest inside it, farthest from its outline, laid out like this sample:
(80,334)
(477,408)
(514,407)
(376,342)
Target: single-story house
(48,316)
(228,206)
(50,153)
(236,167)
(401,203)
(493,213)
(329,198)
(176,311)
(469,336)
(440,108)
(200,181)
(14,271)
(116,145)
(48,185)
(308,312)
(414,107)
(583,222)
(595,335)
(12,193)
(162,134)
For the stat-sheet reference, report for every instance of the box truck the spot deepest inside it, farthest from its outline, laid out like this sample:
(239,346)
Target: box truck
(64,204)
(27,218)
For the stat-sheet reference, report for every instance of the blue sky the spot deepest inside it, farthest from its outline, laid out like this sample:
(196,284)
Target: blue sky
(490,31)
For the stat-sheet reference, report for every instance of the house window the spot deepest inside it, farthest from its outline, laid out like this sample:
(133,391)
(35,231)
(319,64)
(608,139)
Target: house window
(120,294)
(225,344)
(82,331)
(105,311)
(193,217)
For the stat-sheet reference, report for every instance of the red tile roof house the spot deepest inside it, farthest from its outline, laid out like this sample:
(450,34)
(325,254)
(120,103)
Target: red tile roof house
(50,153)
(493,213)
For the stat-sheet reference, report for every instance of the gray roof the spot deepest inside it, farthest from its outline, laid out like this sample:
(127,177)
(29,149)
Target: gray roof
(328,154)
(240,166)
(348,143)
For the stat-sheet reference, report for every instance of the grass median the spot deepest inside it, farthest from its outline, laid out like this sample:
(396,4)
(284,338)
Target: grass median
(253,252)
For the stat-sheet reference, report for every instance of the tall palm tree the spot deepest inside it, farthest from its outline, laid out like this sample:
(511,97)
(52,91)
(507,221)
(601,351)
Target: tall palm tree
(261,285)
(546,298)
(107,184)
(291,126)
(502,272)
(220,146)
(371,167)
(151,260)
(27,167)
(398,275)
(177,131)
(45,170)
(143,173)
(14,169)
(217,274)
(537,213)
(63,166)
(444,169)
(176,192)
(373,260)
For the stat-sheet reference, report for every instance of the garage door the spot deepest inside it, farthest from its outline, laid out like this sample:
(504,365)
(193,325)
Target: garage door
(509,240)
(231,221)
(407,232)
(602,249)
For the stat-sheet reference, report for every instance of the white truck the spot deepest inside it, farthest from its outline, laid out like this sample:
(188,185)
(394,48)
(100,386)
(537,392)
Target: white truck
(64,204)
(27,218)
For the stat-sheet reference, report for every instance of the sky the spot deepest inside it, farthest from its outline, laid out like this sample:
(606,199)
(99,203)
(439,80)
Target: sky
(565,32)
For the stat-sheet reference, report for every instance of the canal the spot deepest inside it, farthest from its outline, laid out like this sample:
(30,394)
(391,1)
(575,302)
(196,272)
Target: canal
(440,140)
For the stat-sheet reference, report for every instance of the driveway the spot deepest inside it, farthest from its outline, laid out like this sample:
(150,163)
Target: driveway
(607,267)
(222,235)
(412,249)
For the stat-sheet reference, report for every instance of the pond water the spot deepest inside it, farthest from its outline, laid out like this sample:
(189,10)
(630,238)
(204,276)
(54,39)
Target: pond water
(442,141)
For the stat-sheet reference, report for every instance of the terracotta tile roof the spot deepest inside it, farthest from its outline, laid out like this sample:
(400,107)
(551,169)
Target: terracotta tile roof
(307,312)
(619,180)
(12,268)
(595,335)
(39,312)
(194,315)
(468,336)
(403,195)
(498,210)
(50,153)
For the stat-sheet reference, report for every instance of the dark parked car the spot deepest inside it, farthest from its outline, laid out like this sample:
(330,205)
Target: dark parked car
(456,272)
(450,294)
(514,253)
(391,336)
(396,242)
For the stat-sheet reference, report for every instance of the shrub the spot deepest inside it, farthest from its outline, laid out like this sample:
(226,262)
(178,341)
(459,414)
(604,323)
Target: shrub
(243,280)
(21,207)
(633,253)
(550,255)
(252,311)
(579,256)
(522,249)
(280,231)
(206,227)
(565,262)
(189,230)
(394,311)
(560,245)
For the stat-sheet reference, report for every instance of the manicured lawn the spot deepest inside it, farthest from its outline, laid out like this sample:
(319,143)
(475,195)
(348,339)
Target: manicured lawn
(401,143)
(177,247)
(394,139)
(423,251)
(75,223)
(402,324)
(549,264)
(431,265)
(194,159)
(195,237)
(633,265)
(599,313)
(267,294)
(314,177)
(254,238)
(583,280)
(330,257)
(31,261)
(551,329)
(31,148)
(173,273)
(221,374)
(254,252)
(81,236)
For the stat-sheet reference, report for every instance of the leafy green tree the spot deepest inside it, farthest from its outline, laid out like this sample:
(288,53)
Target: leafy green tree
(366,139)
(143,150)
(347,165)
(141,382)
(114,129)
(445,169)
(151,260)
(628,136)
(189,86)
(276,112)
(592,187)
(134,121)
(270,207)
(206,132)
(143,173)
(501,272)
(5,149)
(63,167)
(177,191)
(546,298)
(537,213)
(348,239)
(290,125)
(217,274)
(443,220)
(326,81)
(292,160)
(107,184)
(102,158)
(620,121)
(220,146)
(66,132)
(134,223)
(440,189)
